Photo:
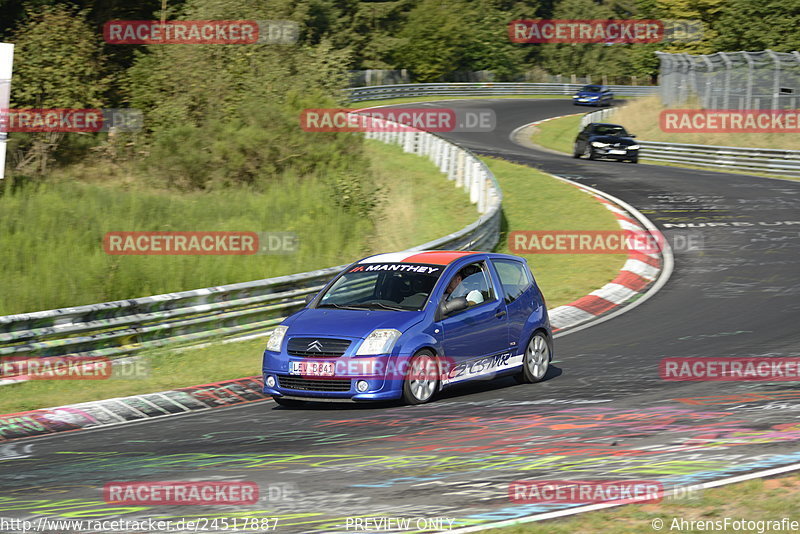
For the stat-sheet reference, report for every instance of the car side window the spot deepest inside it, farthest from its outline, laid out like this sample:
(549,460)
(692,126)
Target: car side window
(472,282)
(514,277)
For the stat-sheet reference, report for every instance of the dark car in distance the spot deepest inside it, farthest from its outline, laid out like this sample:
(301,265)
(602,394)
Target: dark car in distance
(593,95)
(602,140)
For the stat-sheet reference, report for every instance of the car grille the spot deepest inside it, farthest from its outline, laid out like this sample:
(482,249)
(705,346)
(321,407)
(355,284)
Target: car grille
(317,347)
(313,384)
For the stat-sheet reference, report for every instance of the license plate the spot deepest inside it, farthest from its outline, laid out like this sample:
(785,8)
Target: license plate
(617,152)
(311,368)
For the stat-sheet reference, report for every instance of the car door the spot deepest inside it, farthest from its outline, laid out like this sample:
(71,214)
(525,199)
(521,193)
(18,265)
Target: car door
(516,282)
(480,330)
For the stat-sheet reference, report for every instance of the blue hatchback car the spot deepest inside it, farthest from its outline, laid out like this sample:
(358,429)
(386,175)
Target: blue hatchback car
(404,325)
(593,95)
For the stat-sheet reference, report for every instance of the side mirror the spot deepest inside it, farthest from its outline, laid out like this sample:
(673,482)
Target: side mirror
(631,135)
(452,306)
(310,297)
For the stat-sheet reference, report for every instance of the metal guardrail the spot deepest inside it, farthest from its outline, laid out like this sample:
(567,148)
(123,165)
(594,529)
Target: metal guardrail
(380,92)
(762,160)
(119,328)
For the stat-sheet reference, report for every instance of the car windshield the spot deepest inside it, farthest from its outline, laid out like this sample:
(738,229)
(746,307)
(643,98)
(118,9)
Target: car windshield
(383,286)
(592,88)
(608,129)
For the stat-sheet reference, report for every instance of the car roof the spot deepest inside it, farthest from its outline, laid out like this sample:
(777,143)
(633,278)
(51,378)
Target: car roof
(432,257)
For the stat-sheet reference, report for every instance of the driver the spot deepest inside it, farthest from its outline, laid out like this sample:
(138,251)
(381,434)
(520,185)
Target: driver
(457,289)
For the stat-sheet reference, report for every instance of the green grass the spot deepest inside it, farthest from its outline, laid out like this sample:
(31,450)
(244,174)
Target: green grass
(558,134)
(533,200)
(425,207)
(754,500)
(56,231)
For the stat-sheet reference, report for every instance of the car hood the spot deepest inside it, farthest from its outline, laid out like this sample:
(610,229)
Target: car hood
(613,140)
(585,93)
(349,323)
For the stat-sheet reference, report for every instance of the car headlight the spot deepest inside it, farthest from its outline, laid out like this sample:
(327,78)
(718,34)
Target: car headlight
(379,341)
(275,340)
(633,147)
(598,144)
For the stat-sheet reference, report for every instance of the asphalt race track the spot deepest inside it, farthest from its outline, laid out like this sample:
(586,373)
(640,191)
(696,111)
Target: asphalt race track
(603,413)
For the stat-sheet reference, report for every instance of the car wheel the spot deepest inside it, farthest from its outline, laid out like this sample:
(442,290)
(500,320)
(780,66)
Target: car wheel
(536,359)
(288,403)
(634,160)
(576,153)
(589,152)
(422,379)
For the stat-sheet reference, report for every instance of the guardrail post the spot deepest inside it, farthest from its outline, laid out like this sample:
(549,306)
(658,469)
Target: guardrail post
(482,185)
(408,141)
(459,169)
(474,188)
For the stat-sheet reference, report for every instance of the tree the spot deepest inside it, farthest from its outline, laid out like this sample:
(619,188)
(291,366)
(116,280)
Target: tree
(758,25)
(435,42)
(58,63)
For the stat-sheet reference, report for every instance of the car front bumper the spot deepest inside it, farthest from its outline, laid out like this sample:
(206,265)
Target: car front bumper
(383,376)
(608,153)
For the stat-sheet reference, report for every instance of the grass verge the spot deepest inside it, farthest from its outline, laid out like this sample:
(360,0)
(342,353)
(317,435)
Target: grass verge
(56,231)
(755,500)
(424,210)
(532,200)
(558,134)
(642,118)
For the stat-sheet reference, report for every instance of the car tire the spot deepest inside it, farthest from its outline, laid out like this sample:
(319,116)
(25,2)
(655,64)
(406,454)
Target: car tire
(589,152)
(288,403)
(422,378)
(575,153)
(536,360)
(634,160)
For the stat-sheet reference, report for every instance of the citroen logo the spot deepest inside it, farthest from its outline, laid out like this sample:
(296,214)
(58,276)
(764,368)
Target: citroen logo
(315,345)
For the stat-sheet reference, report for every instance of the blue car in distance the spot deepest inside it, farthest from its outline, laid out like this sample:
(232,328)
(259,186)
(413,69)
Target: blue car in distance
(593,95)
(405,325)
